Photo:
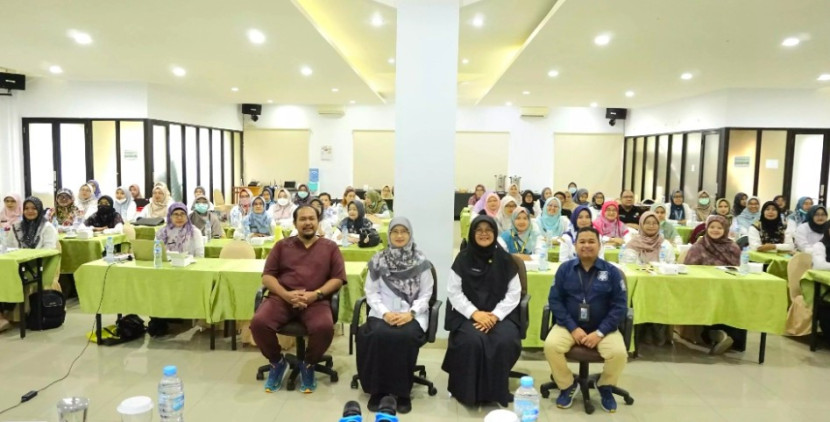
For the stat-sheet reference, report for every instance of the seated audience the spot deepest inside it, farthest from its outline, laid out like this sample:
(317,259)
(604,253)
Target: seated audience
(749,216)
(666,229)
(782,205)
(724,209)
(202,218)
(105,219)
(86,202)
(375,205)
(349,195)
(552,224)
(329,211)
(258,221)
(65,210)
(799,215)
(529,203)
(821,252)
(242,209)
(679,212)
(301,274)
(521,238)
(489,204)
(159,203)
(593,325)
(513,192)
(124,204)
(705,207)
(596,204)
(628,212)
(268,196)
(609,226)
(715,248)
(505,217)
(386,193)
(179,235)
(568,205)
(646,245)
(303,196)
(810,232)
(476,196)
(483,294)
(572,188)
(12,210)
(739,203)
(283,210)
(547,193)
(398,289)
(581,197)
(769,233)
(355,222)
(96,188)
(140,201)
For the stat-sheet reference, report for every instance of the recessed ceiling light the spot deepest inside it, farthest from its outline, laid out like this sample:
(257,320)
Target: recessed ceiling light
(686,76)
(824,77)
(465,61)
(553,73)
(478,21)
(235,89)
(256,36)
(80,37)
(306,71)
(334,90)
(352,102)
(270,101)
(178,71)
(55,69)
(602,39)
(594,105)
(525,92)
(377,19)
(791,42)
(390,60)
(629,94)
(508,104)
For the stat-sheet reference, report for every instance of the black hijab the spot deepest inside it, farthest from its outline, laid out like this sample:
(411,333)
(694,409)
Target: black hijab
(818,228)
(826,242)
(771,231)
(737,208)
(361,222)
(485,273)
(105,216)
(528,205)
(28,231)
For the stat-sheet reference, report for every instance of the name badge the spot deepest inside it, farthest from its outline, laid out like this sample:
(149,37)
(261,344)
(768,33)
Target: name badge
(584,312)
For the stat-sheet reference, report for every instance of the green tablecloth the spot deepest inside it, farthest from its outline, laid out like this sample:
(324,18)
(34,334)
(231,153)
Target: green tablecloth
(538,287)
(76,252)
(811,277)
(465,219)
(11,290)
(706,296)
(684,232)
(147,232)
(776,263)
(214,247)
(136,287)
(611,254)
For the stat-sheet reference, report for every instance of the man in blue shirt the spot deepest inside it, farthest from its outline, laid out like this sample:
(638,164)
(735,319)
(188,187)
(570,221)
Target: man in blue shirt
(588,299)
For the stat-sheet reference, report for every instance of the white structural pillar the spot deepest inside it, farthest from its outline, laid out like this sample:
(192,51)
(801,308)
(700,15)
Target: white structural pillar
(425,114)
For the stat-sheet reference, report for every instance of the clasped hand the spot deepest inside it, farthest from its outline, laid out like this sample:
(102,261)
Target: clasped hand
(484,321)
(396,319)
(300,299)
(588,340)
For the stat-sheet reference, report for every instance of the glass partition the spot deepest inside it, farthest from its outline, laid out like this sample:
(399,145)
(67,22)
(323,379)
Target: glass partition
(773,156)
(807,166)
(204,161)
(237,161)
(41,164)
(648,192)
(711,156)
(638,168)
(132,156)
(73,155)
(676,164)
(216,158)
(104,156)
(663,152)
(192,160)
(226,163)
(160,154)
(176,173)
(629,162)
(692,171)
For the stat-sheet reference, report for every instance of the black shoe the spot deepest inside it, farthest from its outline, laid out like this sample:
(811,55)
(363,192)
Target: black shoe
(157,327)
(404,405)
(374,402)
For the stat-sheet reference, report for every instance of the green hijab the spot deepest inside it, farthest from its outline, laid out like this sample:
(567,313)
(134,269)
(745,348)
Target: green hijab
(377,203)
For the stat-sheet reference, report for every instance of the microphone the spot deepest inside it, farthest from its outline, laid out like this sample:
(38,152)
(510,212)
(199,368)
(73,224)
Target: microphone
(386,410)
(351,412)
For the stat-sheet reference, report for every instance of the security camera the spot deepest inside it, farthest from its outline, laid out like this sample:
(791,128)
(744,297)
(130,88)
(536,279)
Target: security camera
(611,122)
(256,117)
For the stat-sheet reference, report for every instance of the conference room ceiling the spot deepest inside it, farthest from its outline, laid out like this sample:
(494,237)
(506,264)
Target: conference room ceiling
(506,48)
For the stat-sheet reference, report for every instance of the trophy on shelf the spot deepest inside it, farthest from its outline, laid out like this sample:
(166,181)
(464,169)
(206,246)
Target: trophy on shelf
(500,178)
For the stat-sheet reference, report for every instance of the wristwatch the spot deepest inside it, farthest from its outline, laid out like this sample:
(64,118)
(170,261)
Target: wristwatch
(320,294)
(599,334)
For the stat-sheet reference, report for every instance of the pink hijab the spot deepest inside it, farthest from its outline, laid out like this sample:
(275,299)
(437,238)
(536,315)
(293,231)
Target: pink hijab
(607,227)
(9,217)
(482,205)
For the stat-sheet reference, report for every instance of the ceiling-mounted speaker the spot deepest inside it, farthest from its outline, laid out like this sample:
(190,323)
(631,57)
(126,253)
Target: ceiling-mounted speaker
(12,81)
(616,113)
(252,109)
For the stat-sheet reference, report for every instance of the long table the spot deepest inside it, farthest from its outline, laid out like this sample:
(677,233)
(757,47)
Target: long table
(820,281)
(76,252)
(776,262)
(703,296)
(211,289)
(23,267)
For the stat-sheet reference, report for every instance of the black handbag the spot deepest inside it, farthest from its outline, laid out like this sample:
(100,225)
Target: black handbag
(52,310)
(372,235)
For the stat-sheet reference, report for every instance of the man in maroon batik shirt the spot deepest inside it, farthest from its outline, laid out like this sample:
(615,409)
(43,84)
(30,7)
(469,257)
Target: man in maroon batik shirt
(301,272)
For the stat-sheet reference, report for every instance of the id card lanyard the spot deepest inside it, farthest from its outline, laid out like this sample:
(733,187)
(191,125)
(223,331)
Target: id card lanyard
(584,308)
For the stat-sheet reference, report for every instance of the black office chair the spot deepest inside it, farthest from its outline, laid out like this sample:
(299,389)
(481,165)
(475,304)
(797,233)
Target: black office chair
(297,330)
(432,328)
(524,303)
(586,356)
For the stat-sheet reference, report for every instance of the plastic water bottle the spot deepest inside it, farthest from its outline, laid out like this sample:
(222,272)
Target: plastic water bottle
(171,396)
(526,401)
(2,241)
(110,251)
(344,241)
(623,258)
(208,234)
(744,268)
(157,254)
(543,257)
(663,254)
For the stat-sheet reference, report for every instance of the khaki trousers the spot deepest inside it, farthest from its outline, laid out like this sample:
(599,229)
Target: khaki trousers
(611,348)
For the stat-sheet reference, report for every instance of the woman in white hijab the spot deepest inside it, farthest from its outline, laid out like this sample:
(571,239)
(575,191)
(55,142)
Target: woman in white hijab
(505,217)
(282,211)
(124,204)
(157,208)
(86,202)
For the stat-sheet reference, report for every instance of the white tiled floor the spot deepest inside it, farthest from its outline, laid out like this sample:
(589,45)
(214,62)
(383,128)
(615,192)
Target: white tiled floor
(675,383)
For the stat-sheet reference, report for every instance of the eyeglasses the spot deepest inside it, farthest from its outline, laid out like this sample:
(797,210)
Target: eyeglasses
(179,214)
(399,232)
(483,231)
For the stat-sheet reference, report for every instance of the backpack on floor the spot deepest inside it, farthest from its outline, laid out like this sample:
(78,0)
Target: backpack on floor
(52,310)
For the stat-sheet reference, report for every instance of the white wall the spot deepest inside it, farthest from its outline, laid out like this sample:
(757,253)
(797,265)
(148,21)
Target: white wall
(770,108)
(165,104)
(11,149)
(531,139)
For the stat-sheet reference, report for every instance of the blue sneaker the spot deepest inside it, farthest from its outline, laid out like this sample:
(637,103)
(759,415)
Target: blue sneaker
(609,404)
(566,396)
(307,381)
(275,375)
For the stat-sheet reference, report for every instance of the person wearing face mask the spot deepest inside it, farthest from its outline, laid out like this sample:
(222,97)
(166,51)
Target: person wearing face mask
(268,196)
(200,191)
(705,206)
(242,209)
(302,197)
(283,209)
(811,231)
(201,218)
(105,218)
(572,188)
(124,204)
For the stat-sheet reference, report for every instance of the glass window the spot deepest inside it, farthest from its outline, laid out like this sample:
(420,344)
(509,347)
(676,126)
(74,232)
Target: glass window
(676,163)
(226,164)
(73,155)
(692,170)
(638,168)
(807,166)
(237,161)
(204,161)
(41,165)
(190,181)
(648,192)
(216,147)
(160,154)
(629,162)
(132,155)
(176,163)
(710,163)
(771,172)
(660,168)
(104,156)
